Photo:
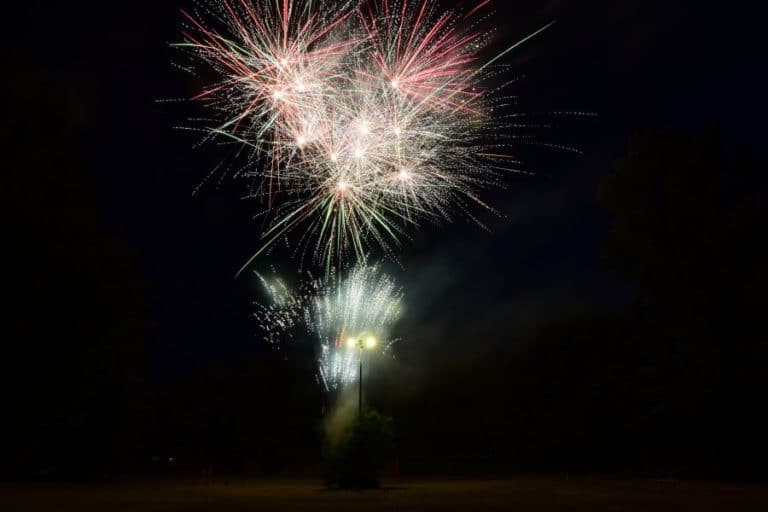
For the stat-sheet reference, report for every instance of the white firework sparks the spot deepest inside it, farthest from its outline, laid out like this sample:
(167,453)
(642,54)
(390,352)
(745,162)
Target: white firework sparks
(359,119)
(352,316)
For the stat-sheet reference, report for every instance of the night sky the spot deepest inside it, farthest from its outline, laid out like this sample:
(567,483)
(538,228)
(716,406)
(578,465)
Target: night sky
(635,64)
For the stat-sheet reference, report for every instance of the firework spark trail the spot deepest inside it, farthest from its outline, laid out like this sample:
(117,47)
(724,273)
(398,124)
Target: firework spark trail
(362,305)
(285,312)
(365,304)
(359,119)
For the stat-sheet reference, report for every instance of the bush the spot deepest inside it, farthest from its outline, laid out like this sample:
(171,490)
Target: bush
(354,460)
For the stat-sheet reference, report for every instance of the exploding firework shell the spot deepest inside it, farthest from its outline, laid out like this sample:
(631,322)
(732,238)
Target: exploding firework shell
(357,120)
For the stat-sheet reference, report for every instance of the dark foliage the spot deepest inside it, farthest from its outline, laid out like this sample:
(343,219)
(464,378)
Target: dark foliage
(353,462)
(261,416)
(75,318)
(673,382)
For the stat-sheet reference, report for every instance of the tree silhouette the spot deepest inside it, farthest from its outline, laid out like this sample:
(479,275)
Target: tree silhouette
(689,219)
(76,294)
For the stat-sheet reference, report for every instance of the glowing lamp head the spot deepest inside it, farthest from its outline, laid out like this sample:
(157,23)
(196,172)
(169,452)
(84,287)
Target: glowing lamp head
(352,343)
(370,342)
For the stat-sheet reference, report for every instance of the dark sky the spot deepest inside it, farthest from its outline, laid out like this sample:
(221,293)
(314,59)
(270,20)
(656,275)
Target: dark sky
(636,64)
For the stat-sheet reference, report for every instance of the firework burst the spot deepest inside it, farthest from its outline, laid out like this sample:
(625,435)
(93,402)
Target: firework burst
(357,120)
(360,307)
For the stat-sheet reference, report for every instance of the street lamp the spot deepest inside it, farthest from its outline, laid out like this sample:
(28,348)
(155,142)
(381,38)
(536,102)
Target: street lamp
(364,341)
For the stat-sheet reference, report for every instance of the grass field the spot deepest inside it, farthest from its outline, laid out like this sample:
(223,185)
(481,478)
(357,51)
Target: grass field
(515,494)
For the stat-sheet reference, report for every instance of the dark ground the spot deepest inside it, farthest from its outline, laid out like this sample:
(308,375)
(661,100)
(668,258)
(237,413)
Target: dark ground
(519,494)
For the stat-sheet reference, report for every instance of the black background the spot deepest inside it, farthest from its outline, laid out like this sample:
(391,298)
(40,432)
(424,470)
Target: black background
(94,78)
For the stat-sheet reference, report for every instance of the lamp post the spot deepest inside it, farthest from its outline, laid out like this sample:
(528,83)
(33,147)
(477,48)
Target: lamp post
(361,342)
(360,388)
